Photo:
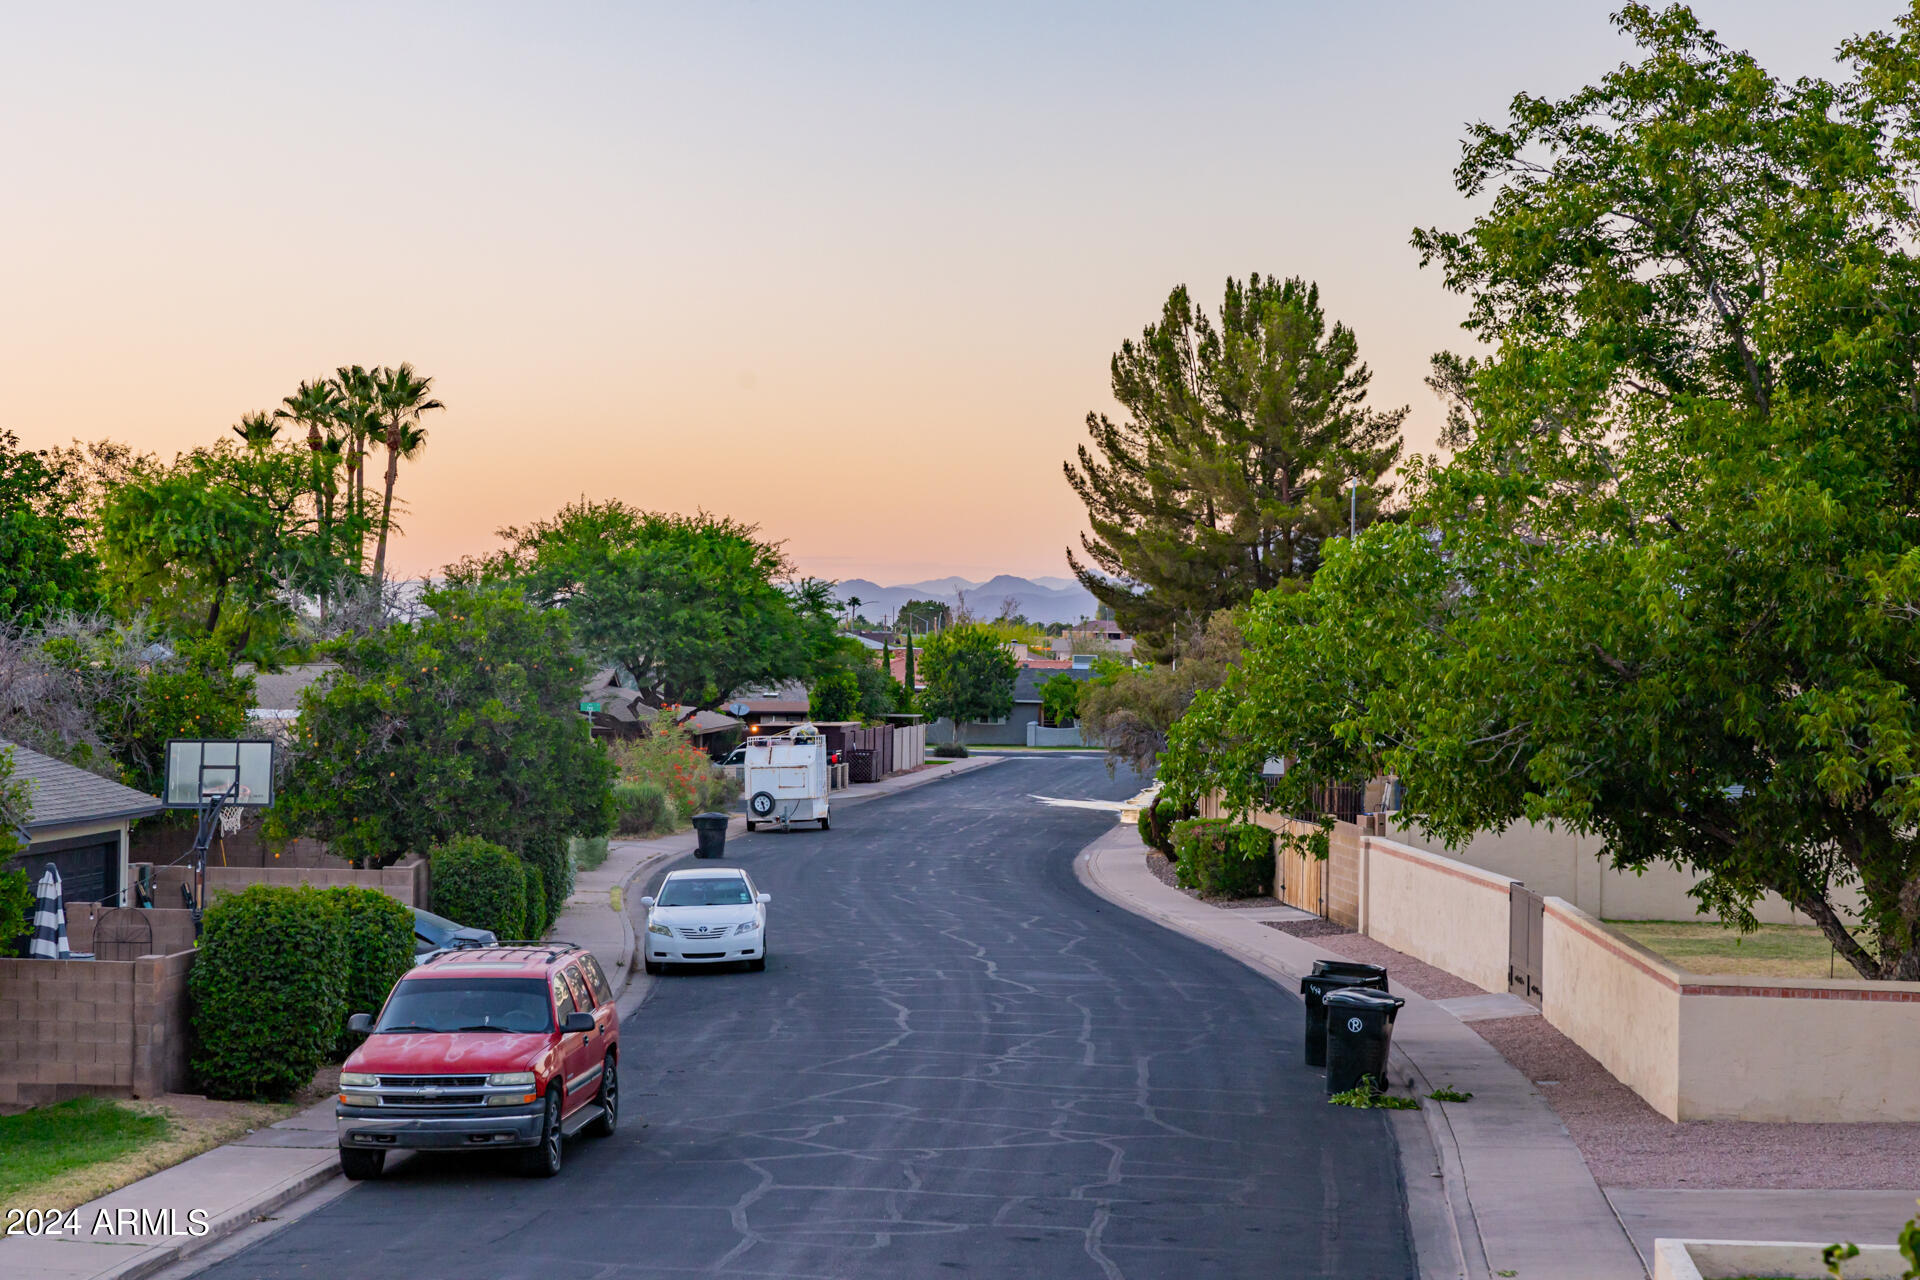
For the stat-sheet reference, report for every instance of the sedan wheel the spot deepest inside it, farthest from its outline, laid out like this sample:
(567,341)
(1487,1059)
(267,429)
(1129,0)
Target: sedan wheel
(759,963)
(543,1161)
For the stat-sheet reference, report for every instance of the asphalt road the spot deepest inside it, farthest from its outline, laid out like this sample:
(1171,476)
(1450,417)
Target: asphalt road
(958,1062)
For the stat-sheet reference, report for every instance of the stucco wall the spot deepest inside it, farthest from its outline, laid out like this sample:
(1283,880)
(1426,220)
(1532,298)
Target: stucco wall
(1556,863)
(1615,999)
(1438,910)
(1810,1049)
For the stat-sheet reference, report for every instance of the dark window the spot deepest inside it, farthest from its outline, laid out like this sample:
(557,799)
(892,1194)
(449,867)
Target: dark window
(602,989)
(467,1004)
(582,998)
(705,891)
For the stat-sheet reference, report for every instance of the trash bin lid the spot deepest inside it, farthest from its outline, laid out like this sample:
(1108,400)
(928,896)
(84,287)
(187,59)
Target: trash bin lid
(1322,983)
(710,819)
(1351,967)
(1363,998)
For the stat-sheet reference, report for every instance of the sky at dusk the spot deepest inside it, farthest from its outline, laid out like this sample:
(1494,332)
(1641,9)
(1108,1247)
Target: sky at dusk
(851,272)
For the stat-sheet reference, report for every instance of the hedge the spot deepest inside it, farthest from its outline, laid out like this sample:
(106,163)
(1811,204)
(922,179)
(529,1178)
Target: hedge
(553,856)
(1224,859)
(268,991)
(379,943)
(537,921)
(1157,822)
(640,808)
(481,885)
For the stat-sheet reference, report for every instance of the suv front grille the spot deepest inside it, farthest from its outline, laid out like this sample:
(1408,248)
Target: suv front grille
(432,1082)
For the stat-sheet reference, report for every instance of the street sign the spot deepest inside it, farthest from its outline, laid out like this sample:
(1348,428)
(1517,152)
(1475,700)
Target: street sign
(589,707)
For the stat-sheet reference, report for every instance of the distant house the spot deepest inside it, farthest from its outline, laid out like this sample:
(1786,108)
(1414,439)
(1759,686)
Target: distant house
(79,822)
(619,711)
(1102,635)
(772,710)
(276,694)
(1028,712)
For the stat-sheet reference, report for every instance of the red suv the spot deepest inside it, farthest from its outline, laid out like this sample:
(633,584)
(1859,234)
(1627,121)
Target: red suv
(503,1046)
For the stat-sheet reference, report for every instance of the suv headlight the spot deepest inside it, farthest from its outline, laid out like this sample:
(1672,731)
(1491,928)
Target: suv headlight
(358,1080)
(751,926)
(511,1078)
(660,929)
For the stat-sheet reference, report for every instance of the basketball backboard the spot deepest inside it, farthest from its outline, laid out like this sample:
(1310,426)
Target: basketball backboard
(203,769)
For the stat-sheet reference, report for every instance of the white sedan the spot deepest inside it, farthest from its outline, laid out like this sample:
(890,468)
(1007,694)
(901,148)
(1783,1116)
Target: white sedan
(706,916)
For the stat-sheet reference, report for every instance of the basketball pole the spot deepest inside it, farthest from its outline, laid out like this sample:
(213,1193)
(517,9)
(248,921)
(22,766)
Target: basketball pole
(203,838)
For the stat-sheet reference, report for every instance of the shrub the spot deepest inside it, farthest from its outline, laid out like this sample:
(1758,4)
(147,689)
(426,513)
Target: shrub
(378,935)
(589,852)
(949,751)
(16,908)
(539,916)
(268,991)
(640,808)
(1224,859)
(1157,821)
(479,884)
(549,852)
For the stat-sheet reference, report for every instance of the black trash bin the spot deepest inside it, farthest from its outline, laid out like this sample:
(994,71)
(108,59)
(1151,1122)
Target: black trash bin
(1314,988)
(1359,1033)
(712,828)
(1353,969)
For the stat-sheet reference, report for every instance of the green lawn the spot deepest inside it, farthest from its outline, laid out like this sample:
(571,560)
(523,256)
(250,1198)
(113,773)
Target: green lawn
(1772,951)
(40,1145)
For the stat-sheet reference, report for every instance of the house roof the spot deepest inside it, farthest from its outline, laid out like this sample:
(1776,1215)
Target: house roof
(623,705)
(64,796)
(1026,686)
(281,690)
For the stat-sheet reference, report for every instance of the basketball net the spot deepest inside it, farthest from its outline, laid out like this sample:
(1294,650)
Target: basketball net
(230,815)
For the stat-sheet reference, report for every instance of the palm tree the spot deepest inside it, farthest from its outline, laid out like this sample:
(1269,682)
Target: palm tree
(400,398)
(258,429)
(358,419)
(316,406)
(853,610)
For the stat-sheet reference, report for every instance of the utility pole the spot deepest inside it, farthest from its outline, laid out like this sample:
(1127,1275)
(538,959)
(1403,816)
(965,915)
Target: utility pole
(1353,512)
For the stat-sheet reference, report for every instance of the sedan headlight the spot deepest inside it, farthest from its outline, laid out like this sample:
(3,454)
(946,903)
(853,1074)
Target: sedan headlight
(358,1080)
(660,929)
(751,926)
(511,1077)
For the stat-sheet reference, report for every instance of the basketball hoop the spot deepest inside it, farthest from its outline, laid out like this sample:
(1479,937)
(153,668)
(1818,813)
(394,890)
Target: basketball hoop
(231,814)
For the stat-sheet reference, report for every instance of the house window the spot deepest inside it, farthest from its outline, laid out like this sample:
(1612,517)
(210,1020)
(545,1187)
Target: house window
(1001,720)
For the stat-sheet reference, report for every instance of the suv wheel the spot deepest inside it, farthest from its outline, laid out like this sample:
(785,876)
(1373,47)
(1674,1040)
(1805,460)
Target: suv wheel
(362,1166)
(543,1161)
(609,1101)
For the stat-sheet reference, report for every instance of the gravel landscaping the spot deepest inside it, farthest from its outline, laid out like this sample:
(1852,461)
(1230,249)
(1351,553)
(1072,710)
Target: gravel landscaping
(1625,1142)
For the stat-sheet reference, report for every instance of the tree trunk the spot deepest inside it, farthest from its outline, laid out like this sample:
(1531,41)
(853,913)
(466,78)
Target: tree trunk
(386,505)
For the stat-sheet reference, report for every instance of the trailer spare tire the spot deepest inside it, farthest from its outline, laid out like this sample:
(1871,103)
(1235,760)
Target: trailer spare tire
(762,804)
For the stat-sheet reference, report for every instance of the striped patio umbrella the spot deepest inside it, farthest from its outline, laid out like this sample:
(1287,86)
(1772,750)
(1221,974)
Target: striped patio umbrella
(49,920)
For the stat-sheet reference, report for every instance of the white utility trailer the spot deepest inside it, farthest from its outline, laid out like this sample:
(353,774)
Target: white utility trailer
(786,778)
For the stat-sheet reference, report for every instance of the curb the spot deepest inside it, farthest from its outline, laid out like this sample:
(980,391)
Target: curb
(1453,1221)
(158,1256)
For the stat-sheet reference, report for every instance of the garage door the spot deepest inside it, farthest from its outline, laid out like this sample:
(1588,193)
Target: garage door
(89,869)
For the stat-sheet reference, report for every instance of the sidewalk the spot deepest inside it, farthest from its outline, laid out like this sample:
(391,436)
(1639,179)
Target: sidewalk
(1517,1197)
(153,1222)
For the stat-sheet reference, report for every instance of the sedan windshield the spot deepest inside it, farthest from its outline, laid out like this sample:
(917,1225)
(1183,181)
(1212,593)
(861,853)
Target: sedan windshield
(705,891)
(477,1004)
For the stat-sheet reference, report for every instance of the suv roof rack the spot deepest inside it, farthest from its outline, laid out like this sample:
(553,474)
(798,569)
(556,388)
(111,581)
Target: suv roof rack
(554,950)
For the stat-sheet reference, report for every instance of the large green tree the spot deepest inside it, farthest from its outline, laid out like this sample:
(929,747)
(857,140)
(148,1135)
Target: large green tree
(45,567)
(465,723)
(969,674)
(1665,593)
(1229,472)
(218,543)
(698,608)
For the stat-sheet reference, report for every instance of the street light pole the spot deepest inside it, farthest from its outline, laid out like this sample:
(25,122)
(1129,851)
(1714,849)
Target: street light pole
(1353,511)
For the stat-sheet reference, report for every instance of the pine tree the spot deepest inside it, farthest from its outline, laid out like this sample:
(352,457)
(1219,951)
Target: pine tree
(1232,467)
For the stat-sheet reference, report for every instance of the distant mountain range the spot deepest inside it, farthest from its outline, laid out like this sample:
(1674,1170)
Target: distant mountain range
(1037,599)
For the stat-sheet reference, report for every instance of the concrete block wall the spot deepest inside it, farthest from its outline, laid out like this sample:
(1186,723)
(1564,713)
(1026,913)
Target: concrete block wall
(73,1027)
(172,927)
(408,881)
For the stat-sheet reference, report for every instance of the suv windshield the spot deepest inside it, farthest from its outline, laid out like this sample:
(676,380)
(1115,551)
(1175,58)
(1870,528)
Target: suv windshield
(468,1004)
(705,891)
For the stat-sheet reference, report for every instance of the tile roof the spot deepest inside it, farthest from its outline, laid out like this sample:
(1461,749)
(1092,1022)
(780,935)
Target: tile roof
(63,795)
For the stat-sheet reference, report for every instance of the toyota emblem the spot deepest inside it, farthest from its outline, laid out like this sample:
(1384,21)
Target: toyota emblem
(1353,1024)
